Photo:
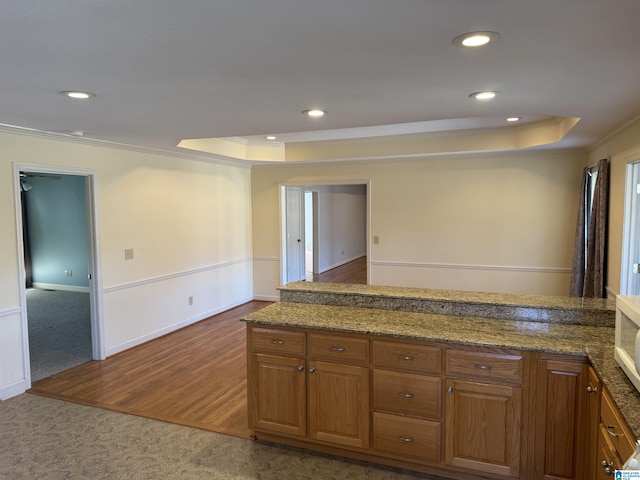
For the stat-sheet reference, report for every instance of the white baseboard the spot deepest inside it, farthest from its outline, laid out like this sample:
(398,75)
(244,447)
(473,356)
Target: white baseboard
(55,286)
(267,298)
(13,390)
(342,262)
(172,328)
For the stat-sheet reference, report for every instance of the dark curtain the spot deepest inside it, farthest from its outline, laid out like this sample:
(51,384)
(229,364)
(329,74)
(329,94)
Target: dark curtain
(589,257)
(25,241)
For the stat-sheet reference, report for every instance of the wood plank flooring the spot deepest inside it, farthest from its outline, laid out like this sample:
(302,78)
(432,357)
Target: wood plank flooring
(352,272)
(195,376)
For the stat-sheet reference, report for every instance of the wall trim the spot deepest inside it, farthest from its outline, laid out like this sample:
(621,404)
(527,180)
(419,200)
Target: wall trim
(462,266)
(171,276)
(9,312)
(55,286)
(267,298)
(68,138)
(172,328)
(13,390)
(266,259)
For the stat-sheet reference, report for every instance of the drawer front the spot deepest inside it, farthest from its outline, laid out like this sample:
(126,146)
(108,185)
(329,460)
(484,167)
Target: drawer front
(336,348)
(621,437)
(410,438)
(407,356)
(275,341)
(487,366)
(407,394)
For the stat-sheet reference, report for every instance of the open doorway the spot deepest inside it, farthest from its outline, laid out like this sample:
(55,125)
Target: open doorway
(58,252)
(325,233)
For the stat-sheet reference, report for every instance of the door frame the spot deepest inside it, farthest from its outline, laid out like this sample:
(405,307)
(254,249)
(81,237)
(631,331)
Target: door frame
(309,186)
(630,235)
(95,275)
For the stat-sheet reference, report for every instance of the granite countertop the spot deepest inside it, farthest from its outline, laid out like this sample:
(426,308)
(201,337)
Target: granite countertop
(530,308)
(596,342)
(490,298)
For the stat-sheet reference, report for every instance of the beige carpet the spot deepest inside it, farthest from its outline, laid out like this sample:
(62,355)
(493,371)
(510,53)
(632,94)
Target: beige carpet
(47,439)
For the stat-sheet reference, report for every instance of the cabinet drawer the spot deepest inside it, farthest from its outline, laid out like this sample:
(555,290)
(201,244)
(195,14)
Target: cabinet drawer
(488,366)
(621,437)
(338,349)
(271,340)
(408,438)
(407,394)
(407,356)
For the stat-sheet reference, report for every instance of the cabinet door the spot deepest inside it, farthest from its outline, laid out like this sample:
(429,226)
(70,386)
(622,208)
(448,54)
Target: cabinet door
(608,461)
(339,404)
(277,395)
(594,389)
(560,420)
(483,424)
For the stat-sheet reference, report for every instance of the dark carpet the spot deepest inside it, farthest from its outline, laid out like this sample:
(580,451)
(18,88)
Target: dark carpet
(59,331)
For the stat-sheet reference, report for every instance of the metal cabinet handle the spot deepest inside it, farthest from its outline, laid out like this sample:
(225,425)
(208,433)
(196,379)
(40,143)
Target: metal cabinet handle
(608,467)
(479,366)
(610,431)
(592,389)
(337,349)
(405,395)
(449,390)
(405,357)
(277,342)
(300,368)
(402,438)
(311,370)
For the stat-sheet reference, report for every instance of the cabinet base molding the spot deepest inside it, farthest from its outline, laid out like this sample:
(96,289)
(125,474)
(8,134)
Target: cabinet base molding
(382,462)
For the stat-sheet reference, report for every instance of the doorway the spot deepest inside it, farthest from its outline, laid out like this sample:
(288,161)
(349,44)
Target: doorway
(324,227)
(58,252)
(630,268)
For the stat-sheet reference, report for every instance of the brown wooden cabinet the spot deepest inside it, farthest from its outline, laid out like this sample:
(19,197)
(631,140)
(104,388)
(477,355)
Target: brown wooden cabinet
(295,395)
(592,419)
(560,426)
(616,442)
(453,410)
(278,397)
(407,404)
(339,404)
(484,410)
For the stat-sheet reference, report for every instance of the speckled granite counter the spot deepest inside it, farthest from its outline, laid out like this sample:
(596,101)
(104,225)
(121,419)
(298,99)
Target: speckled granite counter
(596,342)
(531,308)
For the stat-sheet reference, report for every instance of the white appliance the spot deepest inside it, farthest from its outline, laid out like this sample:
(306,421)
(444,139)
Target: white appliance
(627,349)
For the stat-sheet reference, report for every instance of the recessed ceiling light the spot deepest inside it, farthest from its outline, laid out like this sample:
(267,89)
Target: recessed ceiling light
(475,39)
(315,113)
(77,94)
(270,137)
(513,119)
(483,95)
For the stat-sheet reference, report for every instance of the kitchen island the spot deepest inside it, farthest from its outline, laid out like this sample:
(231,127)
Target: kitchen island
(517,356)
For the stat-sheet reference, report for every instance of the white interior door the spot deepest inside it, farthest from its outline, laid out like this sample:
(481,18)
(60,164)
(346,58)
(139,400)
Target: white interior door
(630,269)
(294,233)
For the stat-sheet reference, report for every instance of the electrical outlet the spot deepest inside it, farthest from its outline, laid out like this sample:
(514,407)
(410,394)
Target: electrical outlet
(190,300)
(128,253)
(68,273)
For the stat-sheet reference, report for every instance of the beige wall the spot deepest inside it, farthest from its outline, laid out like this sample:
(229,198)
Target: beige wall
(188,221)
(621,148)
(502,222)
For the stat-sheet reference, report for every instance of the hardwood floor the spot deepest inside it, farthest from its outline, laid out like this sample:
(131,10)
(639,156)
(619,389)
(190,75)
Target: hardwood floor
(195,376)
(352,272)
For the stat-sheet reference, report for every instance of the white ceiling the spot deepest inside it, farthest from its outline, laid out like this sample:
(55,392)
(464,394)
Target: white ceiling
(167,70)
